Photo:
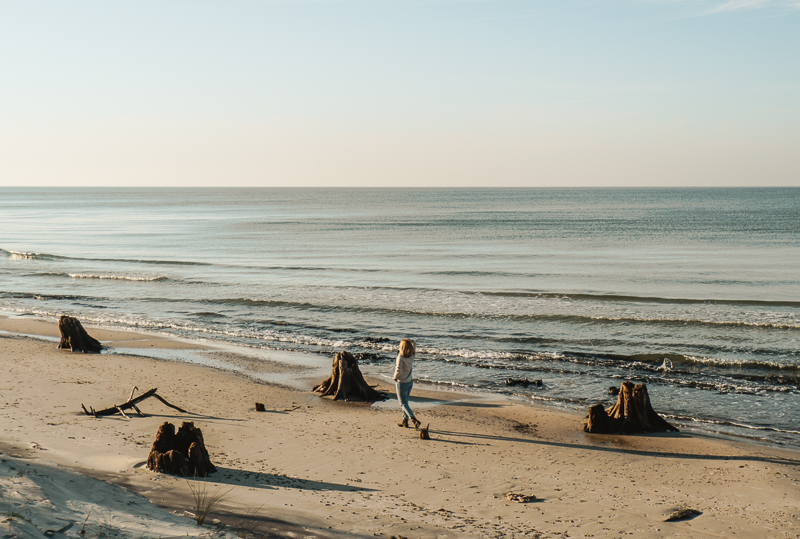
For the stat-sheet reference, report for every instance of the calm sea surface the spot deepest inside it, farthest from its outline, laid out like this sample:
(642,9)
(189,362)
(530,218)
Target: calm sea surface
(694,292)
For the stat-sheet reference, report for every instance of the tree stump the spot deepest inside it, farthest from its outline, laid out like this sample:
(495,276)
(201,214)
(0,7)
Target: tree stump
(183,453)
(599,422)
(74,337)
(632,414)
(346,381)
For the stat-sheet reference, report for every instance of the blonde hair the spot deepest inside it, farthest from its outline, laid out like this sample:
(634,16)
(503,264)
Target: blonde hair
(407,348)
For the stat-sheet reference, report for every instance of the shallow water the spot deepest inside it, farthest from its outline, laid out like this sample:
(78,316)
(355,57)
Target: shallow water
(694,292)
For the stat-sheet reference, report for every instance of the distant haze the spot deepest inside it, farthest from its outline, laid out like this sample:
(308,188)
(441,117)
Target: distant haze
(400,93)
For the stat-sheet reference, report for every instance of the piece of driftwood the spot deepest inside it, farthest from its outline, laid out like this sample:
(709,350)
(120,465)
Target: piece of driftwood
(180,453)
(131,403)
(74,337)
(632,414)
(346,381)
(423,433)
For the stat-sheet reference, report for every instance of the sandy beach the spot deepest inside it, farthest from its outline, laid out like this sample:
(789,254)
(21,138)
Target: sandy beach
(310,467)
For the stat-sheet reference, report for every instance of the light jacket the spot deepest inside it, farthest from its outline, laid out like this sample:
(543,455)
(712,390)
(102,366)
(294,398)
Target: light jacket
(402,371)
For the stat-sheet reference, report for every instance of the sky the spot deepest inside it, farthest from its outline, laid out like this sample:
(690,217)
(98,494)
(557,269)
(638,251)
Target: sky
(400,93)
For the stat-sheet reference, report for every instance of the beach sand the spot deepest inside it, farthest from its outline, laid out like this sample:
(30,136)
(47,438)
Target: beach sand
(311,467)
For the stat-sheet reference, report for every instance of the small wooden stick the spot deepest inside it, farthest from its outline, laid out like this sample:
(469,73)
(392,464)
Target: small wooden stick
(170,405)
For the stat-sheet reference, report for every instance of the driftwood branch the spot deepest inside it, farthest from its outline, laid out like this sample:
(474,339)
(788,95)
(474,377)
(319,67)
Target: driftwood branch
(159,397)
(131,403)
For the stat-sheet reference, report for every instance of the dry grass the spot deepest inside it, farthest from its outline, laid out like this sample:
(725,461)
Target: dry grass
(246,529)
(205,500)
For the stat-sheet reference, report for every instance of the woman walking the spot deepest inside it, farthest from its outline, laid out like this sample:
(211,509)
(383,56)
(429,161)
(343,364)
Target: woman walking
(404,381)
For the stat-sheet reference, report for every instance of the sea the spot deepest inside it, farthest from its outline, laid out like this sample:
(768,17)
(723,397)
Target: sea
(693,292)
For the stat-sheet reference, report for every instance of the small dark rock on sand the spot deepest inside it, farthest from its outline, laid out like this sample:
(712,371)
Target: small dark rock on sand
(683,514)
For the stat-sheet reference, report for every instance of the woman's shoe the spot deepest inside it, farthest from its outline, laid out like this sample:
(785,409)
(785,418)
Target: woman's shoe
(404,422)
(416,422)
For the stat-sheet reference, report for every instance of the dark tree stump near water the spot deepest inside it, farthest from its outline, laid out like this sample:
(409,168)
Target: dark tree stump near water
(183,453)
(632,414)
(346,381)
(74,337)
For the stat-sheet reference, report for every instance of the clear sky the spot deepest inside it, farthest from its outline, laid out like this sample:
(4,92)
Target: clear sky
(400,93)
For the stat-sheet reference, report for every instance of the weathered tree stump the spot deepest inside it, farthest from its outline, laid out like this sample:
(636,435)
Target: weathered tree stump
(74,337)
(183,453)
(346,381)
(632,414)
(598,421)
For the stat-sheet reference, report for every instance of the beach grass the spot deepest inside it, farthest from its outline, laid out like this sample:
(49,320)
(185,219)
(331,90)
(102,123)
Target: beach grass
(205,499)
(247,525)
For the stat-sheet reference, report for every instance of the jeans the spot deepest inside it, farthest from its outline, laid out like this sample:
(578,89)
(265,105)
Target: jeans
(403,393)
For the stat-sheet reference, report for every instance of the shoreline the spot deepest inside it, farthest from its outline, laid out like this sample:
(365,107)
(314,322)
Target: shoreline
(191,351)
(344,469)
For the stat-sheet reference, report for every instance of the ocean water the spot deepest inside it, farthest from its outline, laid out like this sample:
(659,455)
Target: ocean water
(695,292)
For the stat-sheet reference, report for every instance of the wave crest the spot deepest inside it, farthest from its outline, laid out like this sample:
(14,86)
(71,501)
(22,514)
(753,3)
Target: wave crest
(22,255)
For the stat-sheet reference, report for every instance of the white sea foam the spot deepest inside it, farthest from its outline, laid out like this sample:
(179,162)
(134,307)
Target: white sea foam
(22,255)
(666,366)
